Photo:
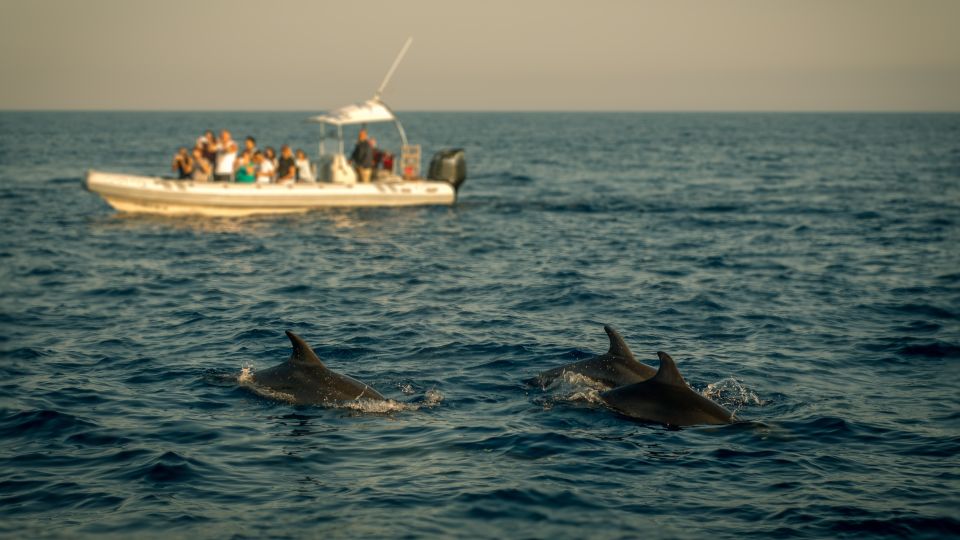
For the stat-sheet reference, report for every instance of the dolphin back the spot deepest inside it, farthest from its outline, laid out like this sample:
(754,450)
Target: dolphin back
(305,380)
(617,367)
(667,399)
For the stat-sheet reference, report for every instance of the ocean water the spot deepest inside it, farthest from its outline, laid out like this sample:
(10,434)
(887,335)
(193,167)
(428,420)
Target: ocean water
(803,270)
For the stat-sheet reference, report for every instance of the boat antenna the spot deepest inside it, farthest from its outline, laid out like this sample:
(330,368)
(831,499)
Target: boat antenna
(393,68)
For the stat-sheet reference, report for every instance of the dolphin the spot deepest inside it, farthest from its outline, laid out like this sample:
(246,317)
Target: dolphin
(616,368)
(666,399)
(307,381)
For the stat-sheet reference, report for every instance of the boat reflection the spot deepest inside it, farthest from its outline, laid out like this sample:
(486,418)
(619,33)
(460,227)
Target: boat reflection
(357,222)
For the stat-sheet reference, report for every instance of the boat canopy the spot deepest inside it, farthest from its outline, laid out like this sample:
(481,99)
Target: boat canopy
(372,110)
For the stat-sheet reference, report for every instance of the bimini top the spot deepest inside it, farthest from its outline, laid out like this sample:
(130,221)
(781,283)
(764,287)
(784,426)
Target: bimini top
(373,110)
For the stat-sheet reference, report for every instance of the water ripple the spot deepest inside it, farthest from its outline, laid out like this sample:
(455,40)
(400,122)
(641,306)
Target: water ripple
(801,268)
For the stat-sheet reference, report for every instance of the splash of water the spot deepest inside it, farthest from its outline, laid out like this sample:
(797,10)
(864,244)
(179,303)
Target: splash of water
(573,387)
(431,398)
(732,393)
(572,380)
(246,376)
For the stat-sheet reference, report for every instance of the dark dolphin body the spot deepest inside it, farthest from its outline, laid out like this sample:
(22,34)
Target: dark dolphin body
(666,399)
(308,382)
(616,368)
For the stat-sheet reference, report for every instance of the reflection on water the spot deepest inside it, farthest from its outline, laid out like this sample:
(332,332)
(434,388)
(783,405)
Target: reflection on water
(352,222)
(121,222)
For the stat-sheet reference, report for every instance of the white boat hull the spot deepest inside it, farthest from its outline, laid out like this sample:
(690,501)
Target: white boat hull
(144,194)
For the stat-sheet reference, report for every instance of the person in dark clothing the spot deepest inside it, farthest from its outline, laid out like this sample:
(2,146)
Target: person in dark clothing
(183,164)
(286,166)
(362,157)
(377,157)
(208,144)
(250,145)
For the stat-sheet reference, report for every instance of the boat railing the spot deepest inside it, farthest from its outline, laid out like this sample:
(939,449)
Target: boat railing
(410,161)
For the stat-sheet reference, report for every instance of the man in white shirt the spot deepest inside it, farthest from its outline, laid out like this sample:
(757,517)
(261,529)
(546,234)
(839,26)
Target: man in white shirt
(226,157)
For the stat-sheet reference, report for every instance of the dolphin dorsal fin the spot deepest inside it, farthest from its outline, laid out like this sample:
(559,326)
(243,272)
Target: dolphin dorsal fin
(618,347)
(668,372)
(302,353)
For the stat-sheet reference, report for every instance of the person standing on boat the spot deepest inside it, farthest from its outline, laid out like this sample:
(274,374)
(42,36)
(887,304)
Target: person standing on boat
(183,164)
(208,144)
(286,166)
(304,168)
(201,167)
(226,157)
(362,157)
(250,146)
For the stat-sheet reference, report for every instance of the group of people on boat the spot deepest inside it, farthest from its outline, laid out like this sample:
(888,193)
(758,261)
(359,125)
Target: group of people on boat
(221,160)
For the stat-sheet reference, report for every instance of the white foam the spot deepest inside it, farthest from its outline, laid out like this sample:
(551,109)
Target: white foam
(733,393)
(588,395)
(246,376)
(573,387)
(430,399)
(571,380)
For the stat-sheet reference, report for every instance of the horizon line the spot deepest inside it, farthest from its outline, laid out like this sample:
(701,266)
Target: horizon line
(502,111)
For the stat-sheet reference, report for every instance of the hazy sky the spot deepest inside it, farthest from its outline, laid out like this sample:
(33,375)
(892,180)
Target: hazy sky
(482,54)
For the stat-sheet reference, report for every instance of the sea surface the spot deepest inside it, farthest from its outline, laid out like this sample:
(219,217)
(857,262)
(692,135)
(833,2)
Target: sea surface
(802,269)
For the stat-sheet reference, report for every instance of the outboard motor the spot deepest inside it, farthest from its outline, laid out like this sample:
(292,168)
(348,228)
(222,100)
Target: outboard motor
(449,165)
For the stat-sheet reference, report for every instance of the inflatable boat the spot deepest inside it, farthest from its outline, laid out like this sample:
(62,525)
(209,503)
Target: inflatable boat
(156,195)
(337,185)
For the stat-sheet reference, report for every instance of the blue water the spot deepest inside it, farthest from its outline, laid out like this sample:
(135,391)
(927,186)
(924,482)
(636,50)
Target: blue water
(803,270)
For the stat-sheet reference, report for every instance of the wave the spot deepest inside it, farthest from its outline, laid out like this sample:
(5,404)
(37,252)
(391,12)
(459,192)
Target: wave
(931,350)
(899,527)
(65,181)
(41,424)
(168,468)
(925,310)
